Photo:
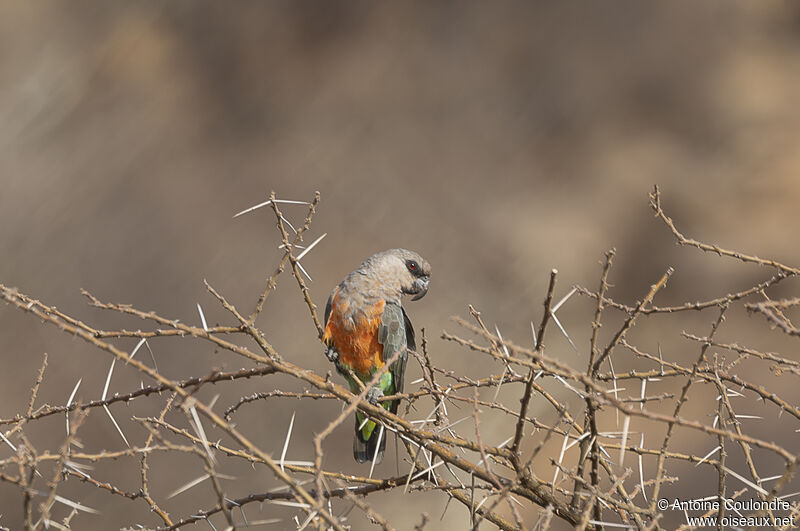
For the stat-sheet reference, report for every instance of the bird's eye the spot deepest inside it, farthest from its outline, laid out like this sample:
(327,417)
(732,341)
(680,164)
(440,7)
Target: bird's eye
(412,265)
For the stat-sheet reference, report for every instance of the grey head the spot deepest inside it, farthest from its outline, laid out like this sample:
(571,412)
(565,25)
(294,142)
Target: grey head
(400,271)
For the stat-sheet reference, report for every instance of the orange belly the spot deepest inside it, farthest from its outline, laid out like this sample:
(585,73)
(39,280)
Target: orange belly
(358,347)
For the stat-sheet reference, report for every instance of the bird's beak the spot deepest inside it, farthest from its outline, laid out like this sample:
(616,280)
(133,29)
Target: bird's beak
(423,284)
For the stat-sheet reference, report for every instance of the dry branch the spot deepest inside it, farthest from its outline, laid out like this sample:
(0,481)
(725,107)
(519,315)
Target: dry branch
(520,482)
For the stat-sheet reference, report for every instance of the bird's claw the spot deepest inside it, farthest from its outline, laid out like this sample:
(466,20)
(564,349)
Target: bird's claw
(332,355)
(373,395)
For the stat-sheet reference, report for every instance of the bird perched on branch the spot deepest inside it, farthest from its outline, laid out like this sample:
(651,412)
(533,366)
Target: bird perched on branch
(366,325)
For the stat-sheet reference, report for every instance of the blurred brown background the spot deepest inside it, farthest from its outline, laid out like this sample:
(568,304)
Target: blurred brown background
(498,140)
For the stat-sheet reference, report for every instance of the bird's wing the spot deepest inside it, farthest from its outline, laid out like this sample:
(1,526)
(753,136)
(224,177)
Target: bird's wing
(328,307)
(410,340)
(393,333)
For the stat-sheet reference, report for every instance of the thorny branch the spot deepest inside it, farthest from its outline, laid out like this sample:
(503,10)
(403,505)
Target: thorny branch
(523,472)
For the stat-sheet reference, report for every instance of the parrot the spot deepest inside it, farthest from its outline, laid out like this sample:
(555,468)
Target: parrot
(366,325)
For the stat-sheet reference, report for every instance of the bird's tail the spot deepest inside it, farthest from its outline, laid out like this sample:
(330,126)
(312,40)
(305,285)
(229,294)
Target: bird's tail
(370,439)
(372,448)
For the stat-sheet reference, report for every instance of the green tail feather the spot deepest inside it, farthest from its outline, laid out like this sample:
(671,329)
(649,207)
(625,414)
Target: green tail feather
(365,443)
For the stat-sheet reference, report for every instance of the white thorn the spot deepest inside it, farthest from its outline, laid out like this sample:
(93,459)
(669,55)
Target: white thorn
(579,439)
(408,479)
(505,442)
(119,430)
(303,270)
(69,401)
(289,503)
(558,323)
(746,482)
(432,467)
(213,401)
(198,427)
(7,441)
(560,458)
(500,336)
(136,349)
(562,301)
(610,524)
(152,356)
(499,384)
(625,424)
(108,378)
(286,442)
(292,202)
(377,449)
(76,505)
(289,223)
(307,520)
(187,486)
(709,454)
(202,317)
(641,472)
(315,242)
(246,210)
(644,385)
(568,386)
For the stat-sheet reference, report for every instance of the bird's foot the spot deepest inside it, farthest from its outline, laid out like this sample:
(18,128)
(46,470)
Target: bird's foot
(373,395)
(332,355)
